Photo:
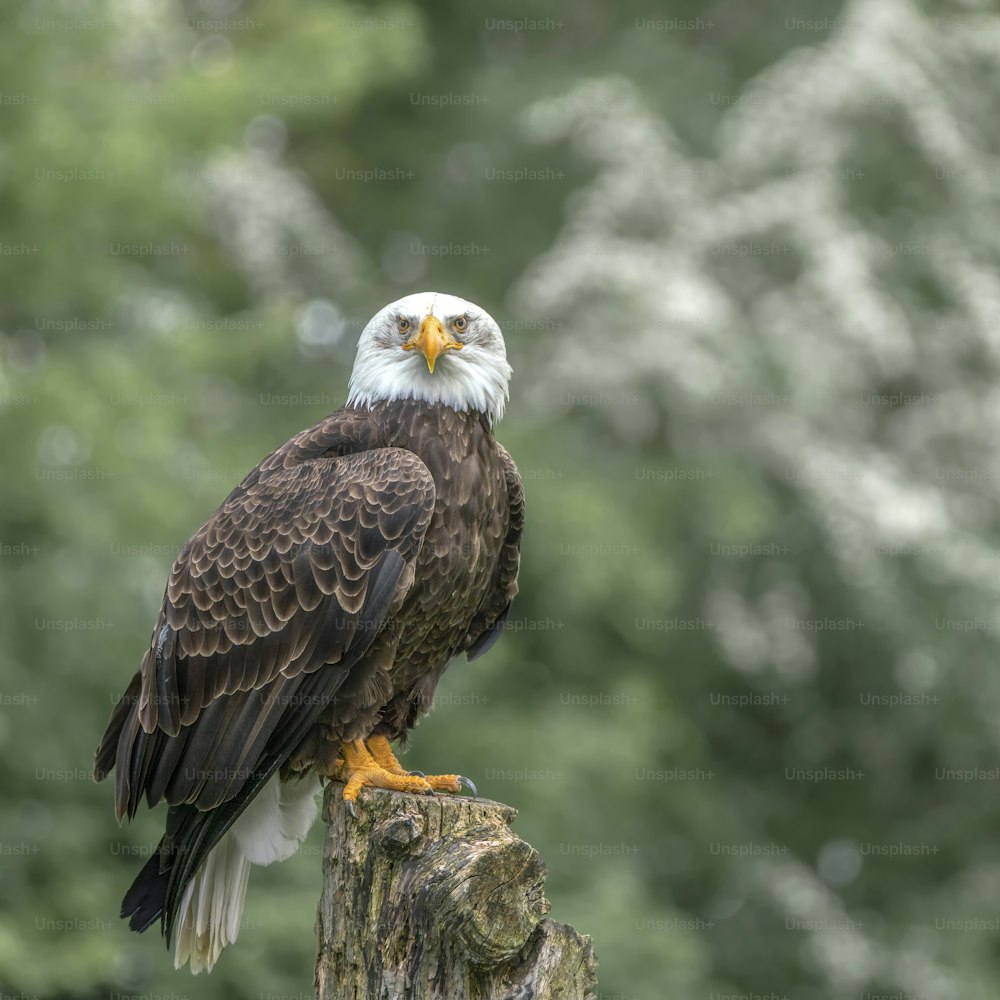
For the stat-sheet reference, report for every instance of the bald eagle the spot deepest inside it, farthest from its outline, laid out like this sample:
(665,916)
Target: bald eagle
(307,623)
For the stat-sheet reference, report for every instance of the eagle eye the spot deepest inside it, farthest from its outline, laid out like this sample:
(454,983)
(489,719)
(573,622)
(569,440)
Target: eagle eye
(461,323)
(403,325)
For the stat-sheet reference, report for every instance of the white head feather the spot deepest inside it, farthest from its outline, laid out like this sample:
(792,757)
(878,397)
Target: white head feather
(475,378)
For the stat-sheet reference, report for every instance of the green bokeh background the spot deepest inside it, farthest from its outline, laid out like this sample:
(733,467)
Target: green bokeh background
(745,259)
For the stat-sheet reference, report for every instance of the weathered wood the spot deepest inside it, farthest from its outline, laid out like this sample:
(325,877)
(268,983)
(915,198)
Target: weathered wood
(432,897)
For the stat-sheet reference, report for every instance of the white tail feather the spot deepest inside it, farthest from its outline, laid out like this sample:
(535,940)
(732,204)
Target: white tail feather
(270,829)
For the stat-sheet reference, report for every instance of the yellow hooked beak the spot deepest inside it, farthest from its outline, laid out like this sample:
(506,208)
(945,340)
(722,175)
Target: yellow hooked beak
(432,341)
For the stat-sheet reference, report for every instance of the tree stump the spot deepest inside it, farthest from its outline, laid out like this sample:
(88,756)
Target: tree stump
(432,897)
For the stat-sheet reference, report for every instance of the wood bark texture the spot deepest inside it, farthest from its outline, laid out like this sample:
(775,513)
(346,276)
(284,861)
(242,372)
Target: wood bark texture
(432,897)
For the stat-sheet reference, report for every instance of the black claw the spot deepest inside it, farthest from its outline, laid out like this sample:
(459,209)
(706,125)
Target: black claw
(462,780)
(416,774)
(351,809)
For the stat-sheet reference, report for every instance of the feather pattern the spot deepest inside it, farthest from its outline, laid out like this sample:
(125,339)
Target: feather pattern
(270,829)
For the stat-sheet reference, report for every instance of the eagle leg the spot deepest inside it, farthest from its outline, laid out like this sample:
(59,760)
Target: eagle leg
(362,770)
(380,748)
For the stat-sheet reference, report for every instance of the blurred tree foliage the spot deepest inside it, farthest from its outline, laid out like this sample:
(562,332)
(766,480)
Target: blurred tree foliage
(746,265)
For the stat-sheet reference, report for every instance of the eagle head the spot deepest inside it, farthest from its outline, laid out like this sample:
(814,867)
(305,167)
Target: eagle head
(434,347)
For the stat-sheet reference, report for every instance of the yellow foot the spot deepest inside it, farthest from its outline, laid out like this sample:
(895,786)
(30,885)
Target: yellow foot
(372,764)
(380,748)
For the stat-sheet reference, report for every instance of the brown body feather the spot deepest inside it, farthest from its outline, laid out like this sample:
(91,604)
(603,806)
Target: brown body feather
(321,602)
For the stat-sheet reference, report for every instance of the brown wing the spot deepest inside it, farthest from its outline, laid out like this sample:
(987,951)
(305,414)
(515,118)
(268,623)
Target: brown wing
(488,622)
(296,571)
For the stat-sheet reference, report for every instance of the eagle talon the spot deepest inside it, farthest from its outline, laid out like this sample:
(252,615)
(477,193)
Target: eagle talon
(351,809)
(381,751)
(363,770)
(468,782)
